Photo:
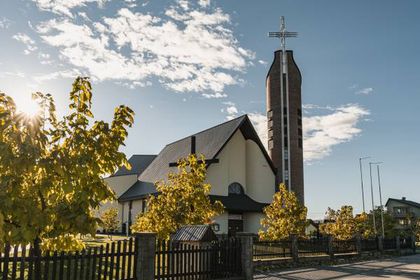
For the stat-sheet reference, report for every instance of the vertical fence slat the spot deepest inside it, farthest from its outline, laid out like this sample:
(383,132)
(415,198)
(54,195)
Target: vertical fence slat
(94,258)
(130,249)
(54,263)
(68,265)
(112,262)
(61,270)
(15,261)
(46,264)
(106,261)
(118,263)
(101,253)
(6,261)
(22,262)
(30,263)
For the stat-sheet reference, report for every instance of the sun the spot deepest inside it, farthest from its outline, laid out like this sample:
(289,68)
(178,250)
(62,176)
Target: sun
(28,106)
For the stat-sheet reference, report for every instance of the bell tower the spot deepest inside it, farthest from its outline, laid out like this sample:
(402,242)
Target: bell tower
(284,116)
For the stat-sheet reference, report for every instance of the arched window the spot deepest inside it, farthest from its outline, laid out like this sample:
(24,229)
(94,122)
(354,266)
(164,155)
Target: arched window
(235,188)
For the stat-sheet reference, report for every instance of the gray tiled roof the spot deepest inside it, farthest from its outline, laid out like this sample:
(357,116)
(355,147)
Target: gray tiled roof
(404,201)
(209,142)
(138,163)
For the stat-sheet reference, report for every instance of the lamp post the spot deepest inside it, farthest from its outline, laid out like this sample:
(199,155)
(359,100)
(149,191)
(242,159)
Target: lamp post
(380,197)
(361,182)
(371,193)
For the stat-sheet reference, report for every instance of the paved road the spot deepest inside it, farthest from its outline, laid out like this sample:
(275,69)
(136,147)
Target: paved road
(407,267)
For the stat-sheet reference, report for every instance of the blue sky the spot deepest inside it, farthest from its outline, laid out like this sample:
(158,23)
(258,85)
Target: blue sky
(186,65)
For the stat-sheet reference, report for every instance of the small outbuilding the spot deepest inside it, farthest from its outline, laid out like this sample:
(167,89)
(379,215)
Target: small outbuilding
(194,234)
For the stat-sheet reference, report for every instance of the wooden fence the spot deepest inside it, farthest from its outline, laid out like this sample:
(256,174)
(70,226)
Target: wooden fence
(113,261)
(213,260)
(269,250)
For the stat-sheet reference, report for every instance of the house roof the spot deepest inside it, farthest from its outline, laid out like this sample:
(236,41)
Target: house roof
(138,163)
(404,201)
(209,142)
(194,233)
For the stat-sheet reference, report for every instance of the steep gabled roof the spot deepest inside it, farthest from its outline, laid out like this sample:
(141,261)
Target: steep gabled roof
(138,163)
(209,142)
(404,201)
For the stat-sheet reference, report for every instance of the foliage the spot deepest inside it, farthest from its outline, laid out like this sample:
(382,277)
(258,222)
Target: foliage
(51,171)
(284,216)
(389,223)
(109,220)
(341,223)
(66,243)
(182,200)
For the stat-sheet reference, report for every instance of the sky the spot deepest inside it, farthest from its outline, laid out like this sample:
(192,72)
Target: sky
(184,66)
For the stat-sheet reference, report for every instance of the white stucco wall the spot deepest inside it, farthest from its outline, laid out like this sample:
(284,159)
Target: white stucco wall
(231,167)
(260,179)
(252,222)
(119,185)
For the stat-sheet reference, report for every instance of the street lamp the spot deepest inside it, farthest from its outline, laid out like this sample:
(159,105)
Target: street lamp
(361,182)
(380,197)
(371,193)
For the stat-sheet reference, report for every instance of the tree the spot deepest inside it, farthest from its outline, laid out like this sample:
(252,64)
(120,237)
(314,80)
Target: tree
(109,219)
(389,223)
(284,216)
(182,200)
(51,171)
(341,225)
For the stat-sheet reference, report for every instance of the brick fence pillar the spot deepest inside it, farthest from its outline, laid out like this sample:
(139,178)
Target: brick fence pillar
(294,250)
(330,246)
(146,246)
(397,245)
(247,254)
(380,241)
(359,243)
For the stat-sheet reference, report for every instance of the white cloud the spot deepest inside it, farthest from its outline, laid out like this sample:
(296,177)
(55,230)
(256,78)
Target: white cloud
(365,91)
(262,62)
(59,74)
(190,49)
(30,45)
(321,132)
(204,3)
(231,110)
(64,7)
(5,23)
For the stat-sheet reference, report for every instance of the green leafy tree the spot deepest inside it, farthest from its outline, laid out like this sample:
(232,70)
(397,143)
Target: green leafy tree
(389,223)
(109,220)
(182,200)
(283,217)
(51,171)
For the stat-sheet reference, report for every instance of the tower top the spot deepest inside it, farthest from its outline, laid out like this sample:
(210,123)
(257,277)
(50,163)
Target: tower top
(282,34)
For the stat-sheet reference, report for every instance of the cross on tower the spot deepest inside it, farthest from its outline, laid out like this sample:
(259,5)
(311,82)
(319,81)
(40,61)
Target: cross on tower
(193,152)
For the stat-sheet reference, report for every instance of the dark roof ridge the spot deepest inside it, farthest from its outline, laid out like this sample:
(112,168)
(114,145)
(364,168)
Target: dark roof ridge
(220,124)
(404,201)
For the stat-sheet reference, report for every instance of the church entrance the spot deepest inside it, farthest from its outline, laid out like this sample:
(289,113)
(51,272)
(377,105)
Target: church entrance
(235,224)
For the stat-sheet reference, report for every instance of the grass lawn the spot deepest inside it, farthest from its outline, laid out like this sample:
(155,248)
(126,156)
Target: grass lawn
(101,239)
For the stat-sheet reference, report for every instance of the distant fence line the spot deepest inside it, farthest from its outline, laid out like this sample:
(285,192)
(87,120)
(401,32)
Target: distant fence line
(293,248)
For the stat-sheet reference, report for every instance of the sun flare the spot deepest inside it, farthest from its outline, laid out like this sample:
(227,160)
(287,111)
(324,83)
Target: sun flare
(28,106)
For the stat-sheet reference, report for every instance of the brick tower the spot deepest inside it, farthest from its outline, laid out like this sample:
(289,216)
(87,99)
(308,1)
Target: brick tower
(284,115)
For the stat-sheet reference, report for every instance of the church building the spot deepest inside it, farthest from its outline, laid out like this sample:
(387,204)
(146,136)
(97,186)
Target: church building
(243,174)
(240,172)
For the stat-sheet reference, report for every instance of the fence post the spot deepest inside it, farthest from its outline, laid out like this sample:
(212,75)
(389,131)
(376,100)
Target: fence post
(413,242)
(380,241)
(247,262)
(397,244)
(294,250)
(330,246)
(359,243)
(145,259)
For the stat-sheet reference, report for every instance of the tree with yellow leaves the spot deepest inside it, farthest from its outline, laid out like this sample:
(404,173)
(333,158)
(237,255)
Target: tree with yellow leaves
(182,200)
(51,170)
(342,224)
(109,220)
(284,216)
